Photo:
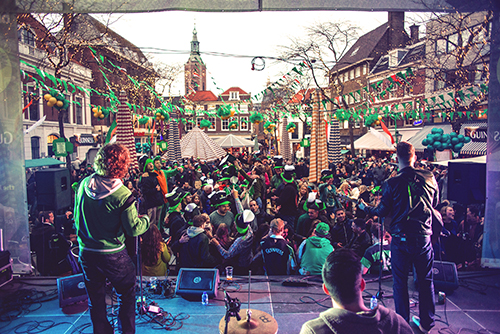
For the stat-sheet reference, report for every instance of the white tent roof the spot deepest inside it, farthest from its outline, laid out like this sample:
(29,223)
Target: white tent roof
(197,144)
(370,142)
(234,141)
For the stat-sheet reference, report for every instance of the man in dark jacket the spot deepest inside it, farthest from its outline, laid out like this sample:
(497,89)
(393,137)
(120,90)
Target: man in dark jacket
(411,197)
(195,253)
(278,255)
(151,191)
(287,200)
(175,219)
(342,230)
(360,240)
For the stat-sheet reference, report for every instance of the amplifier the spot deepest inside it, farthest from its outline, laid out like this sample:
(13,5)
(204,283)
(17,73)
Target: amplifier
(5,268)
(445,276)
(192,282)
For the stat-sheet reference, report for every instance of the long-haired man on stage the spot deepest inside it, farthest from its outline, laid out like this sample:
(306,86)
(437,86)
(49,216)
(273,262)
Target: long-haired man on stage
(104,212)
(410,198)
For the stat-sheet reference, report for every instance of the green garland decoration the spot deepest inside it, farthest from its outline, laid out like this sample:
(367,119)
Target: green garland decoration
(256,118)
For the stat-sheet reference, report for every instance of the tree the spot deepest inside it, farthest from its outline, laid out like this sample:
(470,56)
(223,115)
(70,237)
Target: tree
(457,63)
(167,76)
(324,47)
(54,35)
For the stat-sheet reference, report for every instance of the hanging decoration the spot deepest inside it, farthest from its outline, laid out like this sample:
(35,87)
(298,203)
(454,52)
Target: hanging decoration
(372,119)
(56,99)
(205,124)
(305,142)
(163,145)
(256,118)
(225,112)
(269,126)
(438,140)
(291,127)
(233,125)
(144,120)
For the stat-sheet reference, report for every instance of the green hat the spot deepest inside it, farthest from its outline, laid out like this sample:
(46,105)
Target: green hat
(322,229)
(148,161)
(288,174)
(175,198)
(243,221)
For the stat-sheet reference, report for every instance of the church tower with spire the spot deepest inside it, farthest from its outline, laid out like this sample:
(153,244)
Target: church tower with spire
(195,71)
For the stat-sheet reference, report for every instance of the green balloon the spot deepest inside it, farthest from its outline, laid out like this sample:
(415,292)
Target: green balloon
(438,138)
(425,142)
(435,130)
(467,139)
(445,138)
(441,148)
(460,145)
(430,147)
(461,137)
(453,134)
(440,131)
(454,140)
(437,145)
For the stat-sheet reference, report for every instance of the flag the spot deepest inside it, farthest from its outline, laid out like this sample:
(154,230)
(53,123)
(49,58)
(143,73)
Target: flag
(386,130)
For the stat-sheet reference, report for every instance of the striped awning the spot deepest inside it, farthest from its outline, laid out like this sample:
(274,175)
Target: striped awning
(197,144)
(285,141)
(474,148)
(125,129)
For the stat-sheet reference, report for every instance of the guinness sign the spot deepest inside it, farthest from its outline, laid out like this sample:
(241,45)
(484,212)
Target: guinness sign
(477,134)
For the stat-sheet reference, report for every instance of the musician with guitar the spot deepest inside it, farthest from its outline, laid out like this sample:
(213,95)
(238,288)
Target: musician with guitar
(105,210)
(409,199)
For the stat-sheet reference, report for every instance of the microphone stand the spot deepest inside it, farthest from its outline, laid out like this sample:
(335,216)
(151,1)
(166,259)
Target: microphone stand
(381,232)
(232,309)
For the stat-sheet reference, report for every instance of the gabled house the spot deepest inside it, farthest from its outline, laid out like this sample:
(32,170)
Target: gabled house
(348,77)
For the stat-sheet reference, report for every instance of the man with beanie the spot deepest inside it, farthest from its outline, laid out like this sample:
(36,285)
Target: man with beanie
(105,211)
(342,281)
(314,250)
(241,249)
(223,213)
(277,254)
(175,218)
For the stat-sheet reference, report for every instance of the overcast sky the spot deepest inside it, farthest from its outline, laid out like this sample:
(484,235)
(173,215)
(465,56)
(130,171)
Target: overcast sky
(239,34)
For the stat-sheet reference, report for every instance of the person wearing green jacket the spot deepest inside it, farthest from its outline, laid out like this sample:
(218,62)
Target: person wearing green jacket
(105,212)
(314,250)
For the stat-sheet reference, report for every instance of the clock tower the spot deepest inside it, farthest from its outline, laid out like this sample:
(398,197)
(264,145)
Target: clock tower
(195,71)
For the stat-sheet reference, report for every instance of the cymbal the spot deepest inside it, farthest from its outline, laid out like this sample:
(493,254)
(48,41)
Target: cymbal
(260,322)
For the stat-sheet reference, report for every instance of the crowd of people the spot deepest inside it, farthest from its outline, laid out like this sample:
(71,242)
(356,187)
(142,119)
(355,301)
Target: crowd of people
(260,213)
(268,188)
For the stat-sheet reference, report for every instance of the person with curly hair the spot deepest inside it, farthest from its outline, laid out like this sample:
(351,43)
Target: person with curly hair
(155,253)
(104,212)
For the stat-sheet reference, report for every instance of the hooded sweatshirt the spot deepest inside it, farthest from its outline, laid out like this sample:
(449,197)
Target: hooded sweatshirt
(195,253)
(313,253)
(340,321)
(104,212)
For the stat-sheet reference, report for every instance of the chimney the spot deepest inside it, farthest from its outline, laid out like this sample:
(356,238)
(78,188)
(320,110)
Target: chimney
(414,34)
(396,30)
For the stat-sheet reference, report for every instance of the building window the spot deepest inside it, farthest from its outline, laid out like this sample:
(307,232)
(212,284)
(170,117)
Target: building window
(27,37)
(243,123)
(358,71)
(234,95)
(50,139)
(78,110)
(212,127)
(295,133)
(67,111)
(35,147)
(351,74)
(225,125)
(31,96)
(198,121)
(365,67)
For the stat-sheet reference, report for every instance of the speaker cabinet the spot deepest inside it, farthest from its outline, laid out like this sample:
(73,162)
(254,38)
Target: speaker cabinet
(445,276)
(192,282)
(71,290)
(467,182)
(53,188)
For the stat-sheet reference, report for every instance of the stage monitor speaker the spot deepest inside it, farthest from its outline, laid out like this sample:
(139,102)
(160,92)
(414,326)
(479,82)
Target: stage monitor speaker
(53,188)
(192,282)
(467,182)
(445,276)
(71,290)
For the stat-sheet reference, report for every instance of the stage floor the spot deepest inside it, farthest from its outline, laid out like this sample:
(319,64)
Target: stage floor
(30,305)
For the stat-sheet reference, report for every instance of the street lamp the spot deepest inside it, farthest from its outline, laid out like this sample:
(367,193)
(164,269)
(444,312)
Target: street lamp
(398,137)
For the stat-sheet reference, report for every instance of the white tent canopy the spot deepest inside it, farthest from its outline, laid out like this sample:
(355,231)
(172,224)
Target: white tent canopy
(234,141)
(479,160)
(197,144)
(369,141)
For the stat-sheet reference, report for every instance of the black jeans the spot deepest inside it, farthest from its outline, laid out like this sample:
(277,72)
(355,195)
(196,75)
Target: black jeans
(119,269)
(416,250)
